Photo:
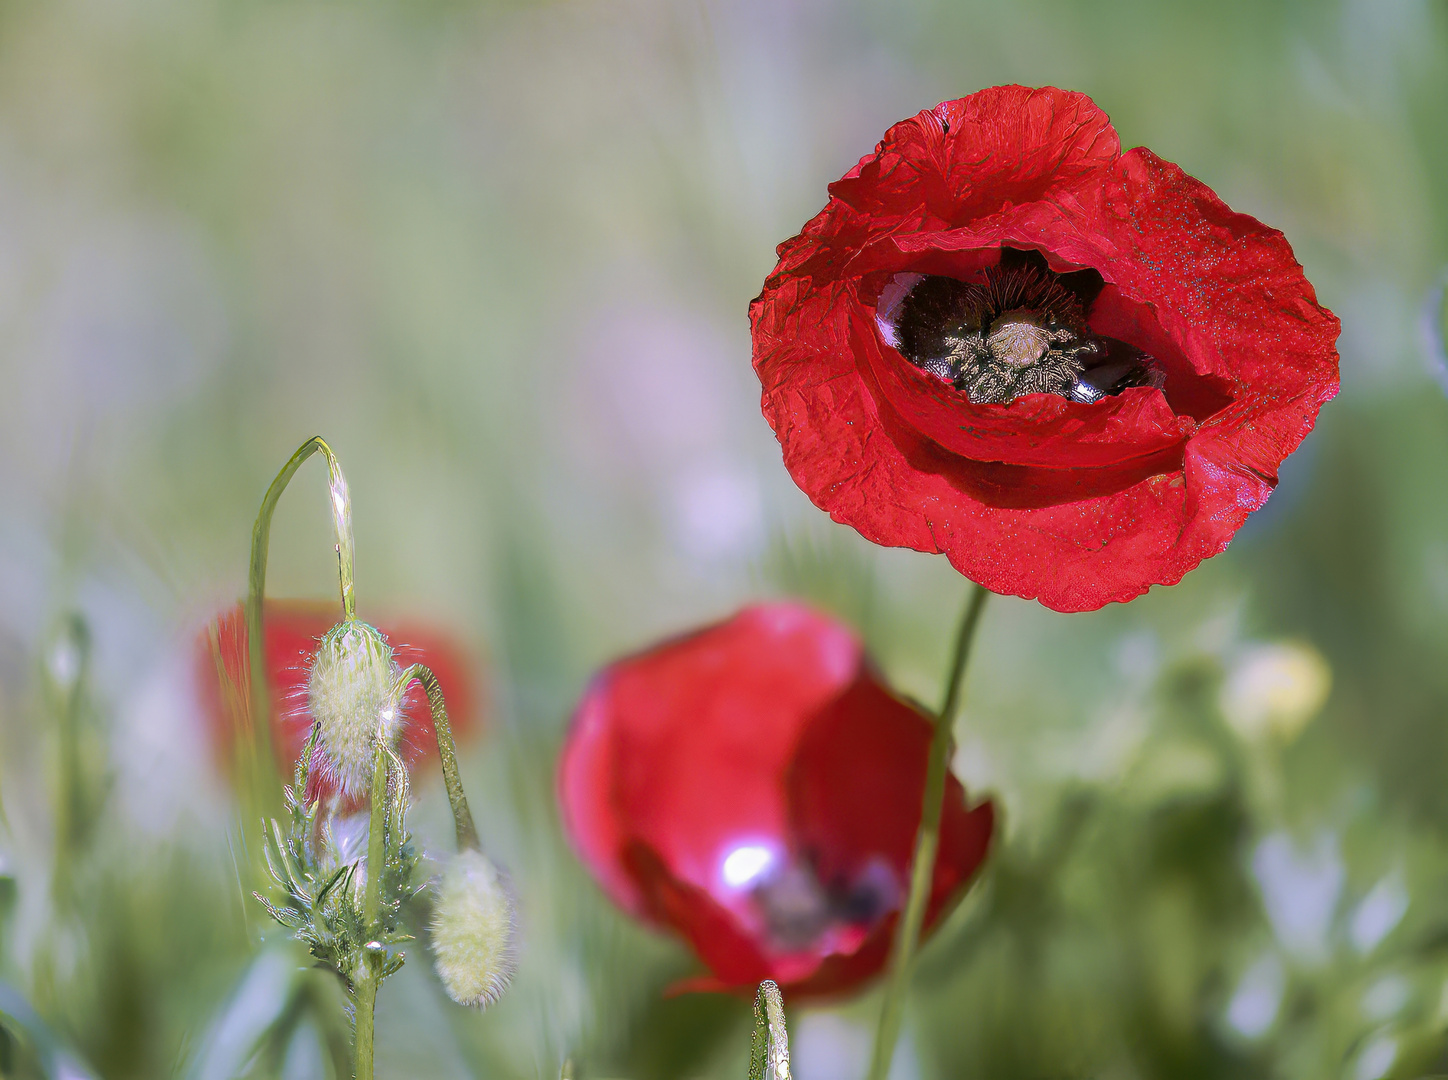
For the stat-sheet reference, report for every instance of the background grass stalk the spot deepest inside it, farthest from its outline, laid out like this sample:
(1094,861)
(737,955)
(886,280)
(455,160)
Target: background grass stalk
(927,843)
(69,660)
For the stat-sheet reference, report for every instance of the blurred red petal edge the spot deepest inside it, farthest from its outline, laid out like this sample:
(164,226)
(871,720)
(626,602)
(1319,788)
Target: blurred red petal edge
(292,628)
(768,736)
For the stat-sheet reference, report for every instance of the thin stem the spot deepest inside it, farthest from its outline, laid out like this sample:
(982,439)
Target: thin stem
(376,834)
(447,753)
(258,753)
(366,1015)
(927,844)
(371,975)
(67,663)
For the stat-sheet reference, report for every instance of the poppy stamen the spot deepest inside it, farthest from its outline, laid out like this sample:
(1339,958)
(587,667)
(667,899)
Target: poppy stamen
(1018,330)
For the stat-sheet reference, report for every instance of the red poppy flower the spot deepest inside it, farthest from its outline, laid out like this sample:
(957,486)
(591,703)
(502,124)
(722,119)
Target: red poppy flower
(755,787)
(1073,371)
(292,629)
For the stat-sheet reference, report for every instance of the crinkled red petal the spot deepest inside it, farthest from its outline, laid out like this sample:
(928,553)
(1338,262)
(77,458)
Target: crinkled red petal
(1076,505)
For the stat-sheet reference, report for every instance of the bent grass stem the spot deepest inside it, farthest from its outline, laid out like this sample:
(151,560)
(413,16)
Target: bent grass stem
(927,844)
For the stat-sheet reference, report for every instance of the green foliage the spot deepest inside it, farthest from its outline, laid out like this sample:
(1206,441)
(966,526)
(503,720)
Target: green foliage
(504,251)
(323,890)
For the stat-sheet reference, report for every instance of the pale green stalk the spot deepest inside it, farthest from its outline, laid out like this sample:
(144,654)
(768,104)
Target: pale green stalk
(447,753)
(927,844)
(372,954)
(366,1012)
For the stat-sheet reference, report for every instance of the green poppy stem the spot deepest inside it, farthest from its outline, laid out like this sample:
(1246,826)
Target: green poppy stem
(255,757)
(366,1014)
(447,753)
(927,844)
(371,975)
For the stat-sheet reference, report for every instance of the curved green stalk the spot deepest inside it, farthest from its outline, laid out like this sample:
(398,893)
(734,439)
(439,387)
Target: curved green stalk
(927,844)
(769,1051)
(256,756)
(447,753)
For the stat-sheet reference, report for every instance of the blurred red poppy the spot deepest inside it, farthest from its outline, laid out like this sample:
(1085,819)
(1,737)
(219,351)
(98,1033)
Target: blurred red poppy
(755,787)
(292,629)
(1073,371)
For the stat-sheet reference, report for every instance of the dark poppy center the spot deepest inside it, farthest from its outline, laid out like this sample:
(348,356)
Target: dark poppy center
(1014,329)
(798,907)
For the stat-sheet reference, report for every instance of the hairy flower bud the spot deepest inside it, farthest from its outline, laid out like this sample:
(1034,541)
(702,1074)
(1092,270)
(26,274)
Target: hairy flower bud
(473,931)
(352,693)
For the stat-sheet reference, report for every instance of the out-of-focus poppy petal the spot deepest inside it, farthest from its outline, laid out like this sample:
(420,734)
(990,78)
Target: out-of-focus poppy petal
(291,630)
(698,784)
(845,783)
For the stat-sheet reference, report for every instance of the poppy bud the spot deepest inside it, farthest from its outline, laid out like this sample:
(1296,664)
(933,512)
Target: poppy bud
(352,693)
(473,930)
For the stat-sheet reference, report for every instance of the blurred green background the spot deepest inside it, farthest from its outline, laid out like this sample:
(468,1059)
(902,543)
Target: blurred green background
(500,256)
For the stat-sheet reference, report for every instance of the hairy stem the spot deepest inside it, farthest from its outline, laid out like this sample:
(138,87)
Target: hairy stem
(376,834)
(927,843)
(447,753)
(256,754)
(366,1015)
(371,975)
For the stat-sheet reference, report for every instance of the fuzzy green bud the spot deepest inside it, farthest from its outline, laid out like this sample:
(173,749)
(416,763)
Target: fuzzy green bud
(473,931)
(353,695)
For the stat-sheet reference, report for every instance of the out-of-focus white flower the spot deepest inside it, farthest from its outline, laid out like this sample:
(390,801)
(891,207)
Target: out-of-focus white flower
(1300,890)
(1380,911)
(827,1046)
(1386,997)
(1376,1059)
(1274,690)
(1253,1008)
(473,931)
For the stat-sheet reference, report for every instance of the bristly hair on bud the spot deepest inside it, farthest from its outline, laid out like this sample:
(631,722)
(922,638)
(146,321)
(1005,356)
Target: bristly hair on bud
(353,695)
(473,931)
